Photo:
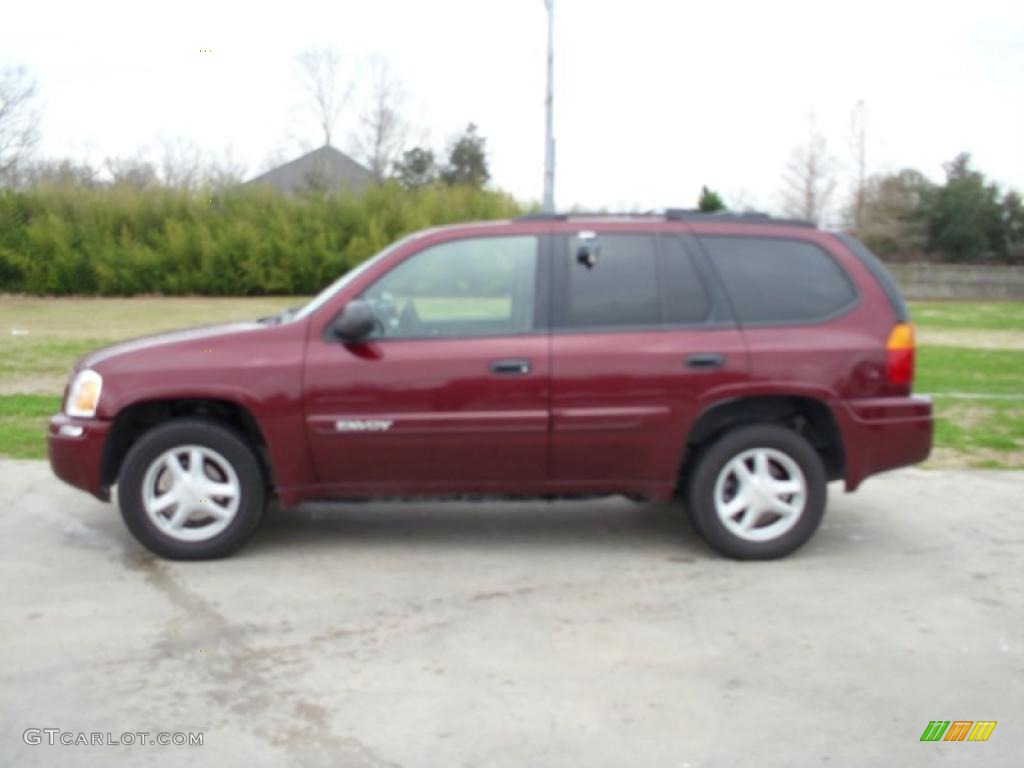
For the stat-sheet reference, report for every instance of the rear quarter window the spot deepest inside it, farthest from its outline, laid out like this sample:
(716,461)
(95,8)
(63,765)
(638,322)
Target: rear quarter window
(881,275)
(779,281)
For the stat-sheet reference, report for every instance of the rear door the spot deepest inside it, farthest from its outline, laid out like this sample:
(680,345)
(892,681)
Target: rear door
(637,337)
(450,394)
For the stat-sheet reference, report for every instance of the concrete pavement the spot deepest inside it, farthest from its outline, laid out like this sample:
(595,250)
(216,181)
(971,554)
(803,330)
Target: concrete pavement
(519,634)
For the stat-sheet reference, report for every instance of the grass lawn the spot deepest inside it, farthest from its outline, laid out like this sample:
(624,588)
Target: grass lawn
(114,319)
(23,424)
(988,434)
(945,370)
(41,338)
(982,325)
(971,357)
(969,315)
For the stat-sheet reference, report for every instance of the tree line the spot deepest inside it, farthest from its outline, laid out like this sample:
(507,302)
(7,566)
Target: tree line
(185,224)
(905,216)
(120,240)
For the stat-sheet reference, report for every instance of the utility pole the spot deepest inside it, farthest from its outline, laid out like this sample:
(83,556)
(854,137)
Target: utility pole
(549,103)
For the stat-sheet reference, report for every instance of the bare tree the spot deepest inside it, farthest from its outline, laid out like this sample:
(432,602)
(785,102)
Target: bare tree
(181,164)
(742,199)
(320,73)
(858,153)
(809,180)
(132,172)
(19,121)
(57,173)
(383,130)
(224,170)
(895,222)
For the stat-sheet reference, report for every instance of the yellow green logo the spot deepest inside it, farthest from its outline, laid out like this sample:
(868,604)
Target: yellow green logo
(958,730)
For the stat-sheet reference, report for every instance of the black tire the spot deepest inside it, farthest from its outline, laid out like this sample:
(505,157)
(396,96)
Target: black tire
(712,460)
(200,432)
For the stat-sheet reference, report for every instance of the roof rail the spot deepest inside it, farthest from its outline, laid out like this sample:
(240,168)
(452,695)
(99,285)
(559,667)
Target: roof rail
(565,216)
(676,214)
(538,216)
(752,217)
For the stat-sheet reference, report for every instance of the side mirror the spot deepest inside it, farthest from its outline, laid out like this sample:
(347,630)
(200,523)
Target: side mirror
(355,322)
(589,250)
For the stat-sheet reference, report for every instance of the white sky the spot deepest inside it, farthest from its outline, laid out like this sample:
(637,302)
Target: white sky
(652,98)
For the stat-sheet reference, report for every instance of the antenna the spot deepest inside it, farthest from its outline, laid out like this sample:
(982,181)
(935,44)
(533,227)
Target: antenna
(549,103)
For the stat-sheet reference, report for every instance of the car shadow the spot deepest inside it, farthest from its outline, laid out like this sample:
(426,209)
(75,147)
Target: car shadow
(611,523)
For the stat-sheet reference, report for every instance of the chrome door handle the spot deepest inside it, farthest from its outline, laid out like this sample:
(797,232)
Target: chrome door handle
(510,367)
(705,360)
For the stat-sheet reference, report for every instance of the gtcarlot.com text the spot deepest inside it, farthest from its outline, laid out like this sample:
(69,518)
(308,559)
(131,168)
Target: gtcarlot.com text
(56,736)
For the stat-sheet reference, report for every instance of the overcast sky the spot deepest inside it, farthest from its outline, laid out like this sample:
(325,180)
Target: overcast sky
(652,98)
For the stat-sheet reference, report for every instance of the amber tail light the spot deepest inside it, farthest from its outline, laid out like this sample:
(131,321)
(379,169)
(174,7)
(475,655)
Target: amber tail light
(899,355)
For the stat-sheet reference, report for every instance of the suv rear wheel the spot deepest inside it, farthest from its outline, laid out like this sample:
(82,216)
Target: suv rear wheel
(757,492)
(191,489)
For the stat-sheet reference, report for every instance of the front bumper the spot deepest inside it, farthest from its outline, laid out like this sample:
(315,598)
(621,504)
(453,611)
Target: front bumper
(76,457)
(880,434)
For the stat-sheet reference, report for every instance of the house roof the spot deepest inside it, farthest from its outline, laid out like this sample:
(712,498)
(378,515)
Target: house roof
(323,168)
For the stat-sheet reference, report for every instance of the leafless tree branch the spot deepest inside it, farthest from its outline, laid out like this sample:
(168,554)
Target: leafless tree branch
(858,152)
(809,178)
(181,164)
(320,73)
(383,130)
(19,121)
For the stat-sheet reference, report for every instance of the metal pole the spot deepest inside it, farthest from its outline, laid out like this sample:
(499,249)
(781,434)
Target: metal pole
(549,138)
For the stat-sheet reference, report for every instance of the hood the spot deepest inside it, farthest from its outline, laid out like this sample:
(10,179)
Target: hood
(145,343)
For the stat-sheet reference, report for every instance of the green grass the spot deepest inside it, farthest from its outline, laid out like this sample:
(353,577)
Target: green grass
(976,371)
(973,431)
(986,434)
(41,338)
(968,315)
(112,319)
(25,357)
(23,424)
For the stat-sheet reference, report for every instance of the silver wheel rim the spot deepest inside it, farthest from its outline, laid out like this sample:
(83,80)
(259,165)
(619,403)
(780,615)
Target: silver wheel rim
(191,493)
(760,494)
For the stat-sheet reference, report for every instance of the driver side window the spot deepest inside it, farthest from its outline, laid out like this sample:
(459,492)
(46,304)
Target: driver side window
(474,287)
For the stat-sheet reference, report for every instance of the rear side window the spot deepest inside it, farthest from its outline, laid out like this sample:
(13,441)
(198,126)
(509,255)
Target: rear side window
(618,287)
(771,280)
(685,298)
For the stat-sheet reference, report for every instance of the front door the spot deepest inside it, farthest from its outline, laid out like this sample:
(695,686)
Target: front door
(450,393)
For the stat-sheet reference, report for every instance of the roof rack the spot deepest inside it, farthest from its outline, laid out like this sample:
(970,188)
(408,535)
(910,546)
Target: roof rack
(675,214)
(539,216)
(753,217)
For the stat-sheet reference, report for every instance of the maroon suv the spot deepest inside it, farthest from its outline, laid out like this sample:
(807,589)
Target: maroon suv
(736,361)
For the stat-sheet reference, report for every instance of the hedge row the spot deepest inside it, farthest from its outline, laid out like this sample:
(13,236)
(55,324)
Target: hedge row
(244,241)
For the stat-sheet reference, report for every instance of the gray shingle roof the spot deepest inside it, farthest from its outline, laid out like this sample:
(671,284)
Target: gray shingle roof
(324,168)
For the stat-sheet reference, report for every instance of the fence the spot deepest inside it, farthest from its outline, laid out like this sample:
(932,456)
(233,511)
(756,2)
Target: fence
(958,281)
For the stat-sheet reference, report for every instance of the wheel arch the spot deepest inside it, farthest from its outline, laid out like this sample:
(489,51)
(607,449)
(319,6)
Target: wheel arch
(135,420)
(810,417)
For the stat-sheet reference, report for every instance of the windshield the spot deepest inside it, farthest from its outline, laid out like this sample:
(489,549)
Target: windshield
(321,298)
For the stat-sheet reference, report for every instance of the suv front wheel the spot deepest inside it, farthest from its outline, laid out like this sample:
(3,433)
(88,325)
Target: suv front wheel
(757,493)
(191,489)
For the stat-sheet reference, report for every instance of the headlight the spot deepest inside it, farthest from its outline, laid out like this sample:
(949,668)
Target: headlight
(84,394)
